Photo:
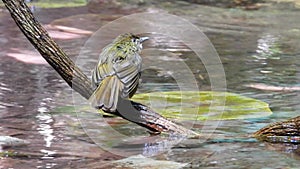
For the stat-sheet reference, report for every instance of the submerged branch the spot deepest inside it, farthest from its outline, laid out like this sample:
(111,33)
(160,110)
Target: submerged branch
(58,59)
(286,131)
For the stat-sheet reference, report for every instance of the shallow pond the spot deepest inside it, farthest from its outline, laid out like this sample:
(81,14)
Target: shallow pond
(259,51)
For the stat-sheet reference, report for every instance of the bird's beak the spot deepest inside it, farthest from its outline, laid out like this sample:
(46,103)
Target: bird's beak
(143,39)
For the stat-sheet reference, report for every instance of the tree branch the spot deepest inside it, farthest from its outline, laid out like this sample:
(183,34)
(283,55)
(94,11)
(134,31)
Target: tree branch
(284,131)
(58,59)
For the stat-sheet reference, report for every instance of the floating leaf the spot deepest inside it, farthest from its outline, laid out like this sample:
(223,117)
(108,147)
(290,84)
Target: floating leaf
(204,105)
(194,105)
(57,4)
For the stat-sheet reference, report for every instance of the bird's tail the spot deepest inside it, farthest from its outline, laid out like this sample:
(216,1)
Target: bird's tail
(107,93)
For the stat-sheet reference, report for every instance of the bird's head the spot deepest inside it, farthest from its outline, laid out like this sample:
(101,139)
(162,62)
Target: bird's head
(129,42)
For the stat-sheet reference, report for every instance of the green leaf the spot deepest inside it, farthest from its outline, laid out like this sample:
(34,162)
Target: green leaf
(193,105)
(58,3)
(204,105)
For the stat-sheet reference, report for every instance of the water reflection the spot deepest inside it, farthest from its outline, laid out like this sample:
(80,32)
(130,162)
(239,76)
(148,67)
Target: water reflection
(45,128)
(3,89)
(268,47)
(44,119)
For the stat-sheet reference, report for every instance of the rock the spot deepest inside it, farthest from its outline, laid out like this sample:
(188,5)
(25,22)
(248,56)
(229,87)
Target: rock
(8,141)
(140,161)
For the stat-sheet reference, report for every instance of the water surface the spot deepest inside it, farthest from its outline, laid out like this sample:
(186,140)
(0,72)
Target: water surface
(259,52)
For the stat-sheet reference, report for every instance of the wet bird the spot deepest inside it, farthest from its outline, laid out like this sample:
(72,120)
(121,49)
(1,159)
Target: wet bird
(117,72)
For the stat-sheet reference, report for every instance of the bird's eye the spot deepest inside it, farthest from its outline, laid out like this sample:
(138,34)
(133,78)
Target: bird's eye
(134,40)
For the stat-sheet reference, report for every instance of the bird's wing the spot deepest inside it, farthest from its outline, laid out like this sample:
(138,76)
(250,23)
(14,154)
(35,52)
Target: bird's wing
(104,67)
(107,93)
(100,72)
(129,74)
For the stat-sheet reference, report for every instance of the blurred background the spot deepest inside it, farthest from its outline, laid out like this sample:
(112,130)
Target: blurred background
(258,44)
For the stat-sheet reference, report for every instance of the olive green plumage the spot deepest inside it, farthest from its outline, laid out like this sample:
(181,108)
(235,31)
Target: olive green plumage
(117,72)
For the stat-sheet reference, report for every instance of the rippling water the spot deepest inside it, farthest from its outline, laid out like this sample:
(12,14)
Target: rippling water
(260,61)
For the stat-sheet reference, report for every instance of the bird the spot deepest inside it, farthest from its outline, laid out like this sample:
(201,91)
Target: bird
(118,72)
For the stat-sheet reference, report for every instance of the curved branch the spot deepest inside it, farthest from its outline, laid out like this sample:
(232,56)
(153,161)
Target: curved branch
(58,59)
